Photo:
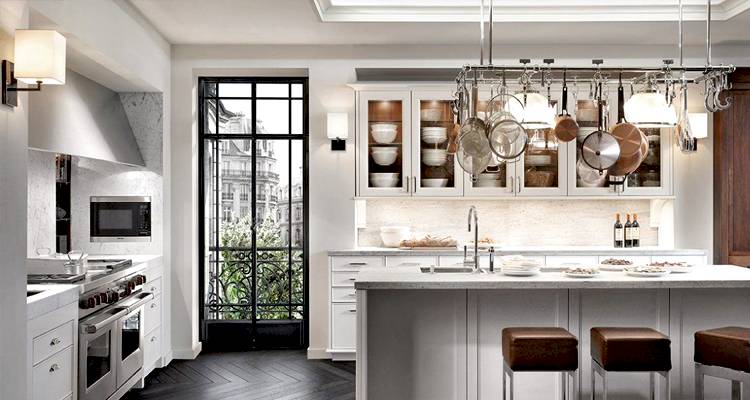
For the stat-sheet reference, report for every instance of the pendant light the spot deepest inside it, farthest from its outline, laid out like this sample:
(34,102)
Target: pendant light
(649,108)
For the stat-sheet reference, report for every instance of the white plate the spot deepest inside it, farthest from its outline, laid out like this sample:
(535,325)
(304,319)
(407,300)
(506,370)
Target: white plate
(646,274)
(516,272)
(681,270)
(572,275)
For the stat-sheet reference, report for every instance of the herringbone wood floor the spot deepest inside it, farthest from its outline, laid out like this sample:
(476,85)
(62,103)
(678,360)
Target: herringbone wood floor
(255,375)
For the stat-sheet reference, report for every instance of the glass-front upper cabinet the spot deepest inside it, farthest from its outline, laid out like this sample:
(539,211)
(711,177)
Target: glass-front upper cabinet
(435,171)
(653,177)
(542,169)
(384,141)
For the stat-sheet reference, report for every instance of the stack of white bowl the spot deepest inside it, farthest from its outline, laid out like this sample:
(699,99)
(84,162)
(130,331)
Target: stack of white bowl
(384,155)
(384,179)
(434,157)
(434,134)
(384,132)
(489,180)
(516,265)
(393,235)
(434,182)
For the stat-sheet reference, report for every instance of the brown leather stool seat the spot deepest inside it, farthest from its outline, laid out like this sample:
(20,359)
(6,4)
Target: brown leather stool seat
(727,347)
(540,349)
(630,349)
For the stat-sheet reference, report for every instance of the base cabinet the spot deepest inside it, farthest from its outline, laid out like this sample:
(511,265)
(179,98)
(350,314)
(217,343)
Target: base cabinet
(51,355)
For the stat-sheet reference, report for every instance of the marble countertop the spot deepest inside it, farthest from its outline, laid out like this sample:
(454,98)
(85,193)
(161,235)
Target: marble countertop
(525,250)
(49,298)
(52,296)
(706,276)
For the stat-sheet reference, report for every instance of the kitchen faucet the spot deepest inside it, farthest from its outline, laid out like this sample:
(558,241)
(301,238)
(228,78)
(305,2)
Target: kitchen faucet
(475,261)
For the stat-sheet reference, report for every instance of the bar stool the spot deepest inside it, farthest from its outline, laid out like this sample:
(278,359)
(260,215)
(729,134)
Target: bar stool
(540,349)
(629,350)
(723,353)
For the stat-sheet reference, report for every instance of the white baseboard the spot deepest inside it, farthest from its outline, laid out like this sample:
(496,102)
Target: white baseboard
(317,354)
(187,354)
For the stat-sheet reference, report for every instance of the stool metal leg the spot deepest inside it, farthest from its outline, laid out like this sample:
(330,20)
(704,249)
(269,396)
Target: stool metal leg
(667,386)
(593,381)
(507,377)
(564,385)
(736,390)
(652,385)
(699,382)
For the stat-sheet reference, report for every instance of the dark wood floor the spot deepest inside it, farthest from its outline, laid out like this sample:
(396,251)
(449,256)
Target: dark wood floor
(256,375)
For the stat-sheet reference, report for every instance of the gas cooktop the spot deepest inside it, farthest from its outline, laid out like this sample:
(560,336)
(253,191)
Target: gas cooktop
(95,269)
(55,278)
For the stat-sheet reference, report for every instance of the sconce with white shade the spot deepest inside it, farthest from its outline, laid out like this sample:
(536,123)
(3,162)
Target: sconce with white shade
(338,130)
(39,57)
(699,124)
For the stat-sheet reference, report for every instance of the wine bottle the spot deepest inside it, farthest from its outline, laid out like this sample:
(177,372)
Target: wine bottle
(628,232)
(635,231)
(619,232)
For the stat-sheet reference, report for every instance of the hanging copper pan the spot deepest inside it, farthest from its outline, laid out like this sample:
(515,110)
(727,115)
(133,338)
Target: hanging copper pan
(566,128)
(633,143)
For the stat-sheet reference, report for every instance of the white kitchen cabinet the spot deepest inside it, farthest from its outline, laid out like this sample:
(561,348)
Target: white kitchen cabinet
(53,377)
(433,175)
(344,333)
(388,171)
(153,320)
(52,354)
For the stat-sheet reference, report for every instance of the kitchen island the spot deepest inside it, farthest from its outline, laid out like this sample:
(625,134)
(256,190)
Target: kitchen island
(437,336)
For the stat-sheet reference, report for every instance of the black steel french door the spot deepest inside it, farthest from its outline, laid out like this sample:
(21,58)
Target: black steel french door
(254,212)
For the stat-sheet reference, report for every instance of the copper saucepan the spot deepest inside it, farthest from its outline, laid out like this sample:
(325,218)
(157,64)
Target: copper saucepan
(566,128)
(633,143)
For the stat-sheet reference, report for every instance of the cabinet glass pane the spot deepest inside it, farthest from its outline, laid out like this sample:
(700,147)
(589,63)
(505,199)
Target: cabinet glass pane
(436,166)
(648,174)
(540,160)
(385,143)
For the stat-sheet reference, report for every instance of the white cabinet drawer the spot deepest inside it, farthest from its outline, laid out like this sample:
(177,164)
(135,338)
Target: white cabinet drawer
(692,260)
(153,286)
(152,317)
(636,260)
(343,295)
(152,348)
(52,379)
(410,261)
(345,279)
(355,263)
(53,341)
(344,326)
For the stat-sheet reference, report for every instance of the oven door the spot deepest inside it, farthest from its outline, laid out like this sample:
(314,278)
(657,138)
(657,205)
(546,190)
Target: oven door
(120,219)
(97,353)
(130,339)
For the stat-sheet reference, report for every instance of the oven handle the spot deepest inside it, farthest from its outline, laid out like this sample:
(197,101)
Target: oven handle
(136,302)
(100,321)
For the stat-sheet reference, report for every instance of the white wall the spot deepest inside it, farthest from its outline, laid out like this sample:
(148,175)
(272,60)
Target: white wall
(330,68)
(13,158)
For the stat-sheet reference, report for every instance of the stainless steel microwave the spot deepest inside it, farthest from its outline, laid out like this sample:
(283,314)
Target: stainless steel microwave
(120,219)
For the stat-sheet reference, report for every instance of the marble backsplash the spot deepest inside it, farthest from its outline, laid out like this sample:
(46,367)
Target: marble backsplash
(510,222)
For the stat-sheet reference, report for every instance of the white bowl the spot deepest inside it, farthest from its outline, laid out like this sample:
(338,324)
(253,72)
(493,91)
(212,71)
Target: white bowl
(383,126)
(384,136)
(384,175)
(384,155)
(384,182)
(489,176)
(393,235)
(488,184)
(434,182)
(434,157)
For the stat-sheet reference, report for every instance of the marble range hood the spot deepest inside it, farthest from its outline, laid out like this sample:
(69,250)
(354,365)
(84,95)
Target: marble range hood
(82,118)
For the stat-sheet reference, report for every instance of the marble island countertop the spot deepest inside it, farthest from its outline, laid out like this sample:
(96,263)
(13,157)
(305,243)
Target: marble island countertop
(705,276)
(525,250)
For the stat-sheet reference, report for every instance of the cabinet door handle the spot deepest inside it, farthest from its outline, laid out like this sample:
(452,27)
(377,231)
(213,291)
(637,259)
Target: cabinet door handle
(153,289)
(352,279)
(414,186)
(352,295)
(54,342)
(153,339)
(408,180)
(352,311)
(54,368)
(153,305)
(358,263)
(518,184)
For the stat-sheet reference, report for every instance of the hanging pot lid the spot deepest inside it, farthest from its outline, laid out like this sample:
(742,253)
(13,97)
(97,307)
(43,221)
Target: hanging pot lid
(600,150)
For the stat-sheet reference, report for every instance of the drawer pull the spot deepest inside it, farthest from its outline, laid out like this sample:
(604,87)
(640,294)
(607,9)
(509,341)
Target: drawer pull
(153,288)
(153,305)
(153,339)
(358,263)
(54,368)
(352,311)
(352,295)
(54,342)
(352,279)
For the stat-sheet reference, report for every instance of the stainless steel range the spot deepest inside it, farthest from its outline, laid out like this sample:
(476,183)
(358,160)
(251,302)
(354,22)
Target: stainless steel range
(110,355)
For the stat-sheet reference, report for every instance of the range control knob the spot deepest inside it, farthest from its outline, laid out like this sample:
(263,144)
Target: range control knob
(140,280)
(131,285)
(103,298)
(87,303)
(97,300)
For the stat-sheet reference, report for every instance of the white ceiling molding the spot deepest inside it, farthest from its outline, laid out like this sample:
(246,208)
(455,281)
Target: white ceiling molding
(524,10)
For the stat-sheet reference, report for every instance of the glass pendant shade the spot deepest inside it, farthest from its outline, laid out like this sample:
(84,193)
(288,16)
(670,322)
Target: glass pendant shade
(537,113)
(649,109)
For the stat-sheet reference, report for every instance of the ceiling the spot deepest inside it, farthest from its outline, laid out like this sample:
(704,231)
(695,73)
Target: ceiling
(439,22)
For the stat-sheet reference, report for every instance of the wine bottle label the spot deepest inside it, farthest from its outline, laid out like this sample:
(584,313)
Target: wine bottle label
(635,233)
(618,234)
(628,233)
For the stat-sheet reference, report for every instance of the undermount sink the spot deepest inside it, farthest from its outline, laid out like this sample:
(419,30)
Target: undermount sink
(447,270)
(30,293)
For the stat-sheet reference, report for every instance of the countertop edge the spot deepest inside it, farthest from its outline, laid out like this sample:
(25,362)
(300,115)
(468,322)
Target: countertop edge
(552,251)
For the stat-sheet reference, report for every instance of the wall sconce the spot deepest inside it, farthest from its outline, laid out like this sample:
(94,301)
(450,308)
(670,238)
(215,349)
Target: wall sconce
(699,124)
(338,130)
(39,59)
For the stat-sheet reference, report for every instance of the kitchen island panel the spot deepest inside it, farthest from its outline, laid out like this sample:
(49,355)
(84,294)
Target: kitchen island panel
(425,334)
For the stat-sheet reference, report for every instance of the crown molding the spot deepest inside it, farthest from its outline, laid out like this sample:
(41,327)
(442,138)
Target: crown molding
(525,11)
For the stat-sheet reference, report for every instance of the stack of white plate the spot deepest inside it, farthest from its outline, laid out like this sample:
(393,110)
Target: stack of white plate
(488,180)
(384,179)
(384,132)
(434,157)
(519,266)
(434,134)
(384,155)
